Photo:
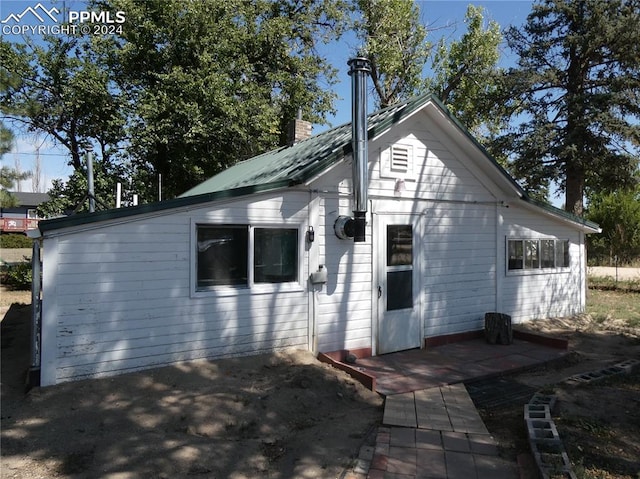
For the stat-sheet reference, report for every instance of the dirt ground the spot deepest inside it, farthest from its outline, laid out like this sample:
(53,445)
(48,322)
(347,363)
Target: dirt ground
(599,422)
(284,415)
(279,415)
(623,274)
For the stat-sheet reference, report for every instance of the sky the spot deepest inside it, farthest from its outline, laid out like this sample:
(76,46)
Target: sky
(446,17)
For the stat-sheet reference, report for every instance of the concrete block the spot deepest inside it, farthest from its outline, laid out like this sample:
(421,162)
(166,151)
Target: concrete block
(545,443)
(559,475)
(539,423)
(628,365)
(552,462)
(542,430)
(546,446)
(536,411)
(542,399)
(619,368)
(580,379)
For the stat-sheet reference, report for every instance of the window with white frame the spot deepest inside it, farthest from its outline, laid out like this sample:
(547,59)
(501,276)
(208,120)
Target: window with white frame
(537,254)
(223,255)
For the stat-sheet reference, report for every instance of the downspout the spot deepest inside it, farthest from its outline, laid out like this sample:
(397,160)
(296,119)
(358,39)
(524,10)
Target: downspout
(33,379)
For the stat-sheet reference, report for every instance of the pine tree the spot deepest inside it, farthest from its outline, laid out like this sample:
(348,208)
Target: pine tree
(577,88)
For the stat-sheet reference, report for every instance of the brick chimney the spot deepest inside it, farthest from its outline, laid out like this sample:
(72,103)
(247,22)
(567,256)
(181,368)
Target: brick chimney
(299,130)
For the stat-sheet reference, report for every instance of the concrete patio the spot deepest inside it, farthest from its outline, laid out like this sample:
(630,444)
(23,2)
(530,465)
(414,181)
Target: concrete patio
(457,362)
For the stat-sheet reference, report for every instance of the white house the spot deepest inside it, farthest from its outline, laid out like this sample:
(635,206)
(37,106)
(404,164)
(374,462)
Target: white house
(251,260)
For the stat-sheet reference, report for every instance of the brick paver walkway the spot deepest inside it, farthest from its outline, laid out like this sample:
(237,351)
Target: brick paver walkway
(431,428)
(434,433)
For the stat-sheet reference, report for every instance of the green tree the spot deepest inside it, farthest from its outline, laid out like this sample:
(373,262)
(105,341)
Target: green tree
(618,214)
(8,176)
(394,40)
(466,74)
(211,83)
(58,87)
(462,73)
(6,140)
(577,91)
(70,196)
(185,91)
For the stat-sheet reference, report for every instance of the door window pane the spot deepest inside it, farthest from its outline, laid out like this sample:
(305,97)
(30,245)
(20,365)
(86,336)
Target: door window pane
(399,245)
(275,255)
(222,255)
(399,267)
(399,290)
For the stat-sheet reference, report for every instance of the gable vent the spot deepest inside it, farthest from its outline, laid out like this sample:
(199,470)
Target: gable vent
(400,157)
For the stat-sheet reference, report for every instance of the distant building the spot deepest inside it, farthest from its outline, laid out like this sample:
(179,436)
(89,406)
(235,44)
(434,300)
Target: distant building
(23,217)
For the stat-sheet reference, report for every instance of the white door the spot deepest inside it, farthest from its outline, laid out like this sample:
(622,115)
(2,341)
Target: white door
(398,283)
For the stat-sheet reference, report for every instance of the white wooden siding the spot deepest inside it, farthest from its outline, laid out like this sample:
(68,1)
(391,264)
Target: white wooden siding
(544,293)
(459,272)
(458,253)
(439,173)
(343,313)
(463,227)
(118,298)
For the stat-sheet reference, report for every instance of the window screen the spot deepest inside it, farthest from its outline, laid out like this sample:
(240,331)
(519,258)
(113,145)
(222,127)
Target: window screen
(399,290)
(562,254)
(222,255)
(275,255)
(547,248)
(516,255)
(399,245)
(537,254)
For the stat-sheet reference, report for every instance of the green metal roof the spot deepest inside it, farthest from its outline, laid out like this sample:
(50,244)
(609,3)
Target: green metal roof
(280,168)
(562,213)
(292,165)
(305,159)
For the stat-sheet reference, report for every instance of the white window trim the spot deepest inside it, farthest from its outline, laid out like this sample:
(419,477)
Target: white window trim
(251,287)
(539,270)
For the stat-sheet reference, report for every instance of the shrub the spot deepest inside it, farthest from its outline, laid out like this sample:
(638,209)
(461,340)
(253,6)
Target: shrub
(18,276)
(618,214)
(13,240)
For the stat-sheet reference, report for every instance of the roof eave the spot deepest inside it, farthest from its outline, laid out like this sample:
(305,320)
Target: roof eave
(586,226)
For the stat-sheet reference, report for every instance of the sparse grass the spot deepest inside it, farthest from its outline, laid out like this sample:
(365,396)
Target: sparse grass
(8,297)
(621,305)
(603,444)
(610,284)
